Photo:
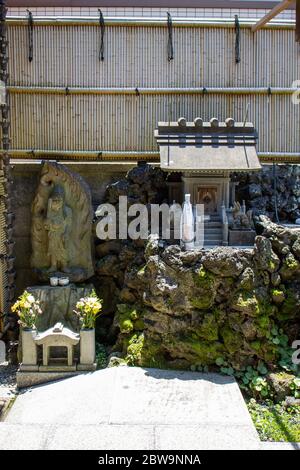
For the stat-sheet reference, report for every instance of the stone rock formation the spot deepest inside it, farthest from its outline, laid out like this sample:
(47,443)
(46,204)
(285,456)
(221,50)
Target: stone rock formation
(168,308)
(186,309)
(259,190)
(115,259)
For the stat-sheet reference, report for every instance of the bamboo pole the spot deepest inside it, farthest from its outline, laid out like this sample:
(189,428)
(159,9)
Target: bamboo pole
(146,22)
(149,91)
(89,156)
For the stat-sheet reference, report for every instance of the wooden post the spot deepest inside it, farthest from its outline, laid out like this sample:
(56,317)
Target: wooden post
(274,12)
(298,20)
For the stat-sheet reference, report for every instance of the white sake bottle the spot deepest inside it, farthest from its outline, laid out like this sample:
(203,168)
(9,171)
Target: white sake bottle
(187,224)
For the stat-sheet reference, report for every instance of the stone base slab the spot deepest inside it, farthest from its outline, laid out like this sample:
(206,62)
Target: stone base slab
(29,379)
(29,368)
(88,367)
(165,410)
(57,368)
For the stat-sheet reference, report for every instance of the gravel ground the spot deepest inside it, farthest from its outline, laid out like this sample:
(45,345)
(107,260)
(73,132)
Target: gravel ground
(8,386)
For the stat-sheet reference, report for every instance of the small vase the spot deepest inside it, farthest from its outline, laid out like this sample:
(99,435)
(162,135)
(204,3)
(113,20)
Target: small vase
(29,353)
(87,346)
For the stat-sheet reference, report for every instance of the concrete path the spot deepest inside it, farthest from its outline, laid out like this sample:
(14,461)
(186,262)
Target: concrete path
(131,408)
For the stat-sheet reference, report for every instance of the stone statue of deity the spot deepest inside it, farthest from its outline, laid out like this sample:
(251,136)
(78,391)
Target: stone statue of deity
(61,231)
(240,219)
(57,225)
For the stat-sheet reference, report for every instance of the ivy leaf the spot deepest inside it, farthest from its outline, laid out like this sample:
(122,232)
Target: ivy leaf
(262,368)
(297,382)
(276,340)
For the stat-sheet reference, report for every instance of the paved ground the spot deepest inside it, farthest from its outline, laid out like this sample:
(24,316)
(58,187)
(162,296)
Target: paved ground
(131,408)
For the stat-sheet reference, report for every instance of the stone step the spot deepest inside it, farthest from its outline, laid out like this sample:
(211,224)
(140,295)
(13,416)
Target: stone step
(212,224)
(212,230)
(213,242)
(213,236)
(214,218)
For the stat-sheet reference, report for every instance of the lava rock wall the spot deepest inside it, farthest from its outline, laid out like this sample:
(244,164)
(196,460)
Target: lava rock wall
(189,308)
(265,190)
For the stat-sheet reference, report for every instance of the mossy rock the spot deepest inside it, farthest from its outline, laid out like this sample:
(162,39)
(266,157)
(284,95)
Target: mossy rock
(129,318)
(264,350)
(196,350)
(134,350)
(290,307)
(205,288)
(278,296)
(247,279)
(290,268)
(263,325)
(233,340)
(208,329)
(281,384)
(246,302)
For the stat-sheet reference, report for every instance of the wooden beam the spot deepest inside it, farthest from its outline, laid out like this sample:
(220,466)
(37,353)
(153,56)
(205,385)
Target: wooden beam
(274,12)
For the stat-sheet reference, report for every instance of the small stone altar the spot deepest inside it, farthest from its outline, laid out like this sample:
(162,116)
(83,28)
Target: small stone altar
(55,338)
(58,336)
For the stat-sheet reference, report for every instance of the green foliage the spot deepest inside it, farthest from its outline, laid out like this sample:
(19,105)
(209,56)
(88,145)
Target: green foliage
(129,318)
(290,306)
(205,282)
(295,387)
(277,337)
(205,352)
(208,328)
(134,349)
(275,422)
(250,379)
(101,356)
(232,339)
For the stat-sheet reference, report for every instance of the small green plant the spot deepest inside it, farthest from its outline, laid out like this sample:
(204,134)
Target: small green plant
(250,379)
(101,356)
(295,387)
(285,353)
(275,422)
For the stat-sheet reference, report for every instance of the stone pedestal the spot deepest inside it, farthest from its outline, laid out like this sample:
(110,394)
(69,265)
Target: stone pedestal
(241,237)
(2,351)
(29,352)
(87,350)
(58,304)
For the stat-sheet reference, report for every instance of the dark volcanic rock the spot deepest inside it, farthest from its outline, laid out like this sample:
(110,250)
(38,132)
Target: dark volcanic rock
(263,195)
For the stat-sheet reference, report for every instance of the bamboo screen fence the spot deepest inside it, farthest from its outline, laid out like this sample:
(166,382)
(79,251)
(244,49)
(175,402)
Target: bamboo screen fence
(68,103)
